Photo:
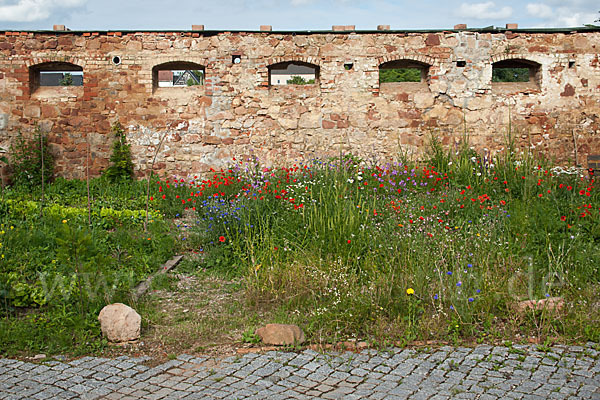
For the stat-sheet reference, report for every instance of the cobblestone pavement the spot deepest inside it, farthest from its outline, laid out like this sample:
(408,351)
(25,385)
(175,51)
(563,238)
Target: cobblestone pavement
(485,372)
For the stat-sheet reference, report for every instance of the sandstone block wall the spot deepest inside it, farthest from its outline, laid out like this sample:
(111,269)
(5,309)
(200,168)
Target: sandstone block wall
(236,113)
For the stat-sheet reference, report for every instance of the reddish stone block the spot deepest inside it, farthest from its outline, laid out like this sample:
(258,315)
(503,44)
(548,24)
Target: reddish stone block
(569,91)
(402,97)
(65,41)
(328,124)
(212,140)
(51,44)
(432,40)
(48,111)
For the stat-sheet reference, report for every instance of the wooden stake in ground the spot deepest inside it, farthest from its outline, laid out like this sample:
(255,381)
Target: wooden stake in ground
(87,178)
(575,147)
(148,175)
(42,159)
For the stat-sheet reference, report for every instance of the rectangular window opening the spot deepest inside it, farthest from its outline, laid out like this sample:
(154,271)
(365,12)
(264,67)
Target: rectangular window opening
(511,75)
(388,75)
(293,73)
(61,78)
(55,80)
(180,78)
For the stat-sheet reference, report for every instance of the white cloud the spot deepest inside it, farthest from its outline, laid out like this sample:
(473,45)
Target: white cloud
(33,10)
(566,13)
(539,10)
(487,10)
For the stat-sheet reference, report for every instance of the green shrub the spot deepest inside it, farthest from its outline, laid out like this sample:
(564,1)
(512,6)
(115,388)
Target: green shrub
(121,165)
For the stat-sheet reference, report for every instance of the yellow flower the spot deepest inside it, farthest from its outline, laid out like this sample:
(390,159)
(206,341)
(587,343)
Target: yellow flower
(12,227)
(410,291)
(64,221)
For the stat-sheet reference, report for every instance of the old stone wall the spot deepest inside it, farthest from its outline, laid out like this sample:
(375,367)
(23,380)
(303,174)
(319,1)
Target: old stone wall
(236,113)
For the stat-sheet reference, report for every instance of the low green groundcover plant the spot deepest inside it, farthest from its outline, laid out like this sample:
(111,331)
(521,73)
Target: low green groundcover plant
(57,270)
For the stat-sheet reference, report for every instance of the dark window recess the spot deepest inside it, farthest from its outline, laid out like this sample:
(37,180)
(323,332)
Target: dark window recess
(515,71)
(177,74)
(403,71)
(293,73)
(571,64)
(55,74)
(236,59)
(461,64)
(348,66)
(510,75)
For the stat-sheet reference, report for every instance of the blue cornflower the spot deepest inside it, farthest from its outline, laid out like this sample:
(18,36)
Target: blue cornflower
(470,299)
(449,272)
(470,265)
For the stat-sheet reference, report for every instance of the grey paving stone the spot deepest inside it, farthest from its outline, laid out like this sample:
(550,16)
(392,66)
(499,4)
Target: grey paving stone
(398,373)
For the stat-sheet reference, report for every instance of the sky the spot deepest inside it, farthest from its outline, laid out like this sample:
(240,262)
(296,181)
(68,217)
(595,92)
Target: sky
(296,15)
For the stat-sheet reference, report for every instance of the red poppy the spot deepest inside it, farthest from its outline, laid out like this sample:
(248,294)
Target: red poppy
(221,239)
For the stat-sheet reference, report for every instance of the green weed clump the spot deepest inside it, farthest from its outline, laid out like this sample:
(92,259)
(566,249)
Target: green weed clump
(31,160)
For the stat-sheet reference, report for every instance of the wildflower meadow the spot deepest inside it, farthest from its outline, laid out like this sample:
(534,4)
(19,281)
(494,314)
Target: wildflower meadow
(442,249)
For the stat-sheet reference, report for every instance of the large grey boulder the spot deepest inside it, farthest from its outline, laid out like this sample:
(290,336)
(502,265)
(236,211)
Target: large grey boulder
(120,323)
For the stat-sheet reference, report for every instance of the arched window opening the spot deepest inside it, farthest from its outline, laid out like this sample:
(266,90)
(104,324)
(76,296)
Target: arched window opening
(55,74)
(177,74)
(293,73)
(516,75)
(404,75)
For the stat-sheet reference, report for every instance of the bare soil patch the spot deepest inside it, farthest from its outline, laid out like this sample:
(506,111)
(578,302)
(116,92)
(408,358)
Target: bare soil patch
(196,314)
